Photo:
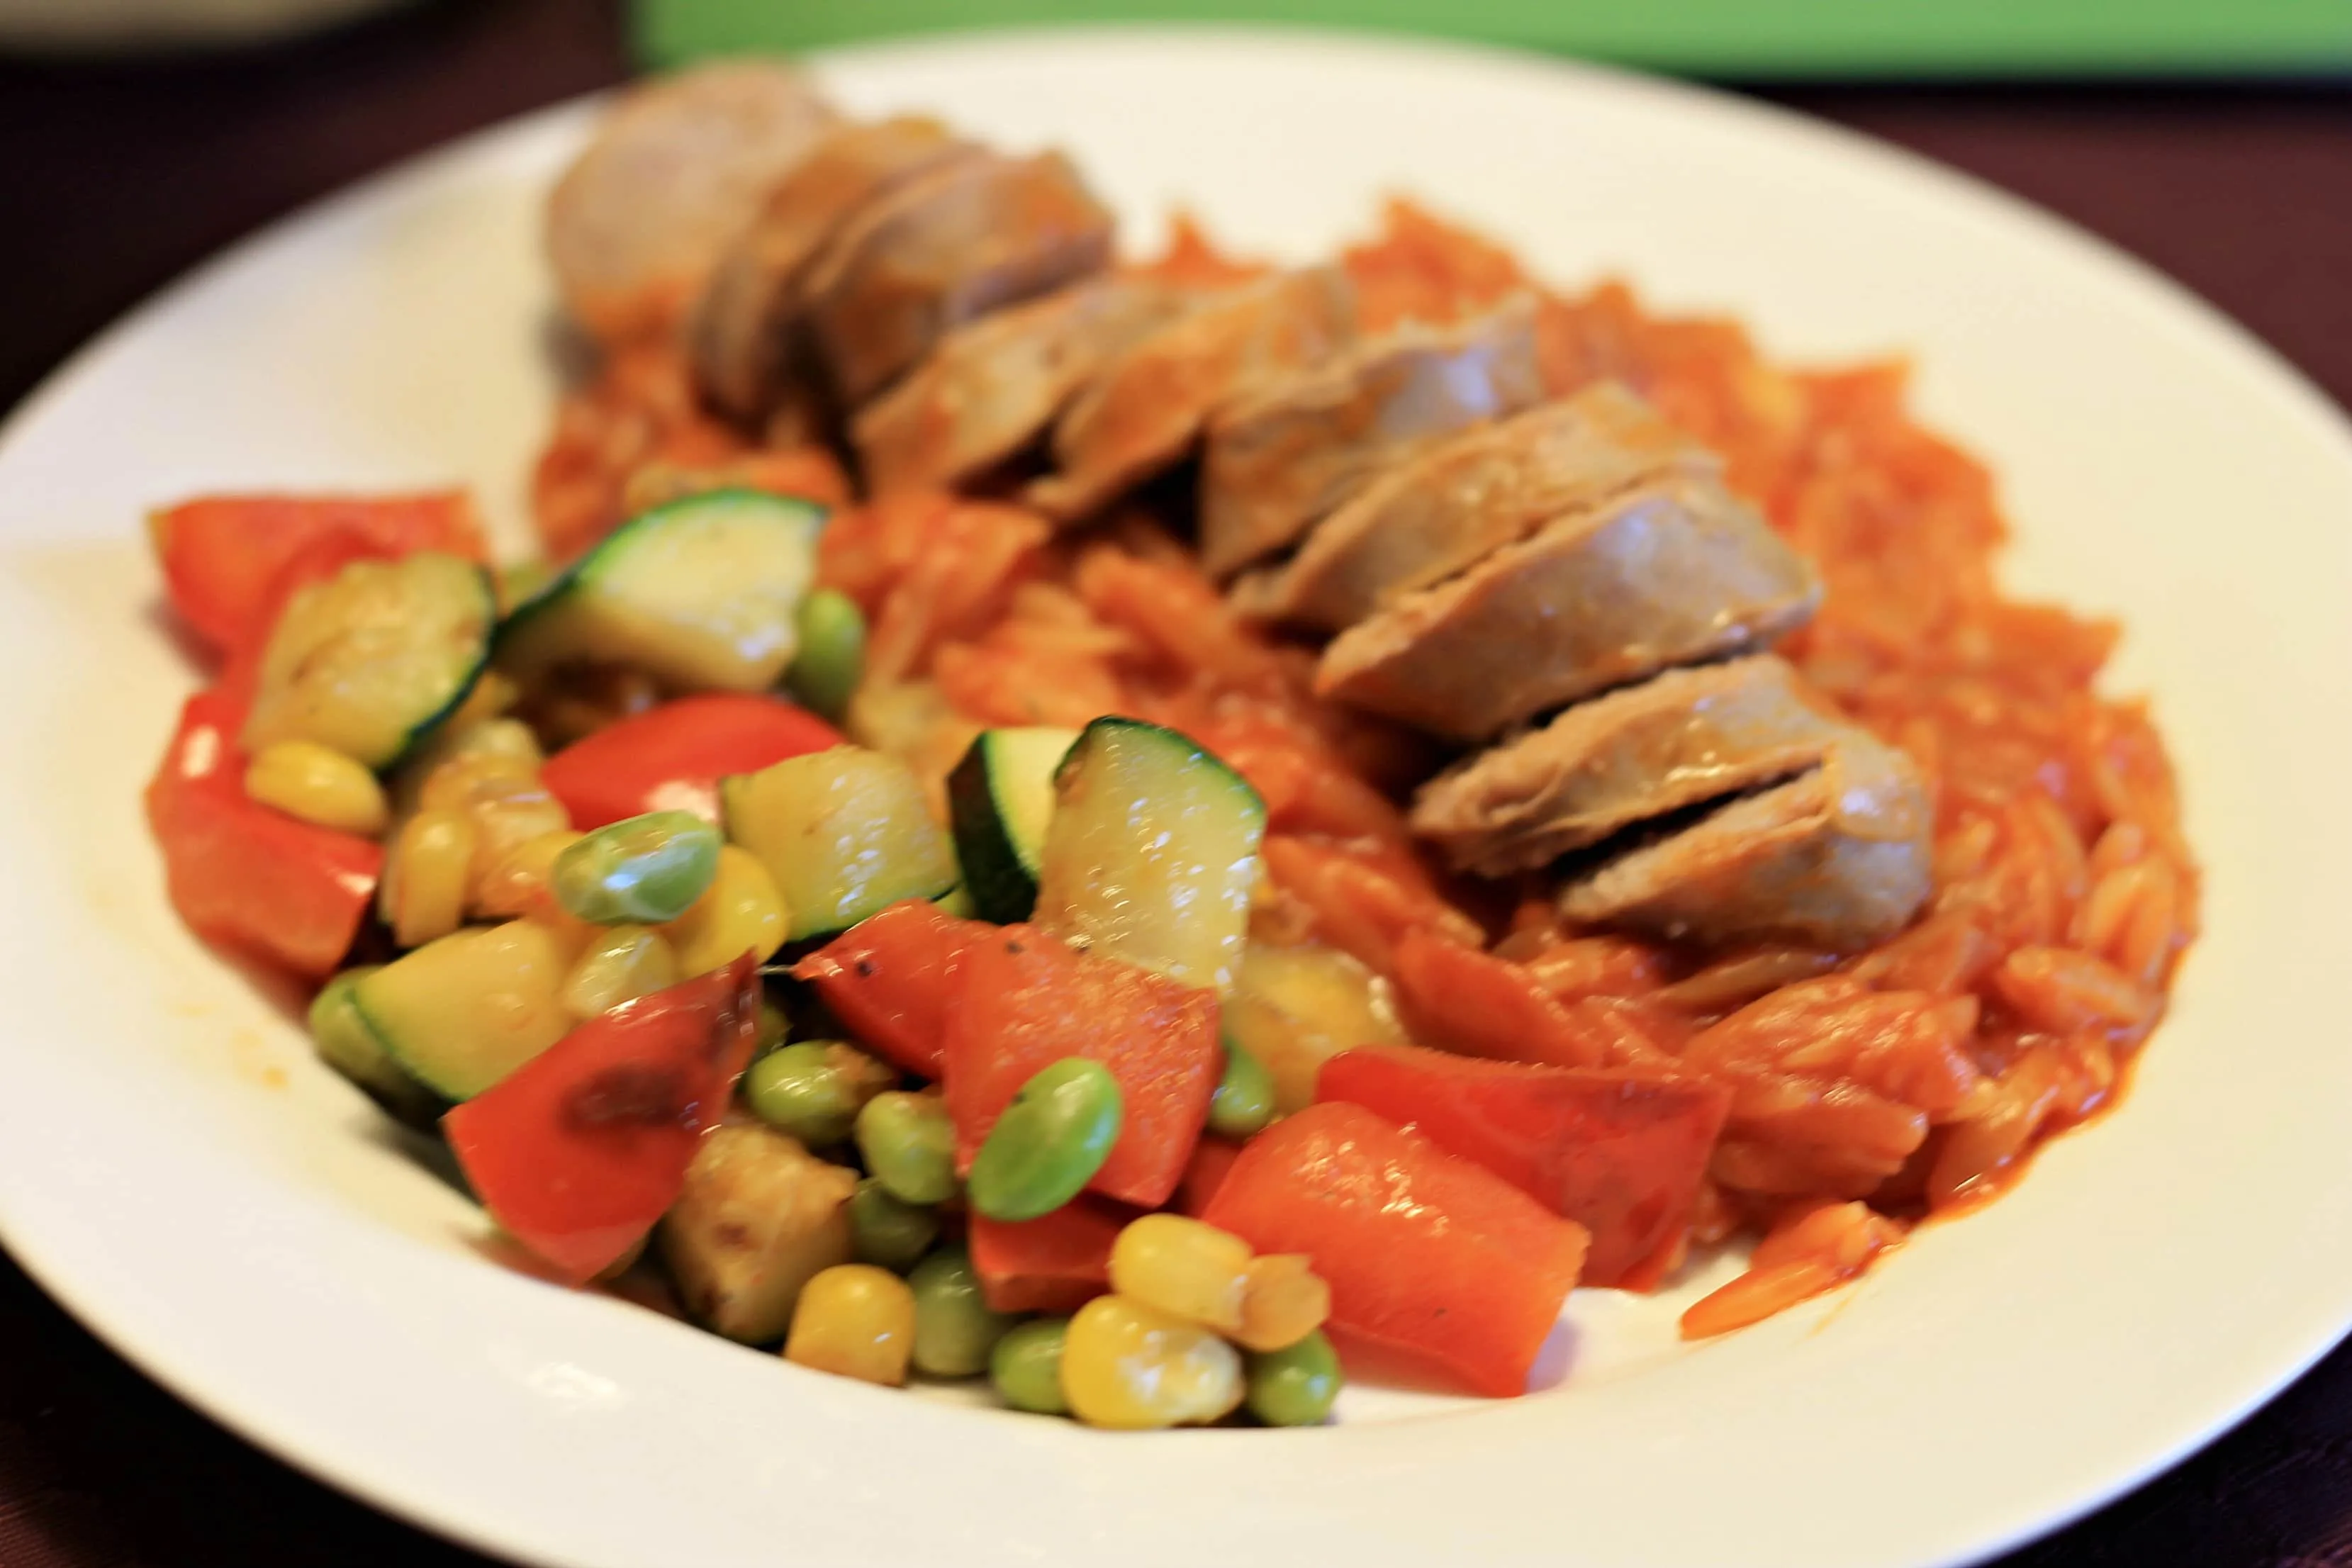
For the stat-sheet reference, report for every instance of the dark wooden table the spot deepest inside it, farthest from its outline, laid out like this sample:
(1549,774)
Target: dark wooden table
(114,178)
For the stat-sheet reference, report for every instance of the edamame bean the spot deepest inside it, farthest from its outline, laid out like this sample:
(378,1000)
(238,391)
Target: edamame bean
(813,1089)
(774,1026)
(955,1329)
(832,657)
(908,1145)
(1049,1142)
(648,870)
(1295,1387)
(1243,1103)
(887,1230)
(1027,1366)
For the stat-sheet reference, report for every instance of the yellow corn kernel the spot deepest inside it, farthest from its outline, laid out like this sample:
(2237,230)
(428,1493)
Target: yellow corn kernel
(501,795)
(317,784)
(466,776)
(518,884)
(1286,1302)
(1186,1268)
(855,1320)
(624,963)
(739,910)
(1127,1366)
(425,877)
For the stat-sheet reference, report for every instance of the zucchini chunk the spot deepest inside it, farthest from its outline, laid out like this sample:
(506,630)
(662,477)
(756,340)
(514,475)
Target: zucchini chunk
(1152,853)
(700,593)
(1000,798)
(346,1043)
(370,660)
(462,1012)
(844,833)
(760,1217)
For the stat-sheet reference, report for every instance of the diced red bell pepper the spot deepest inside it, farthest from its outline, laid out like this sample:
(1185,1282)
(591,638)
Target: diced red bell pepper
(1426,1254)
(1621,1153)
(1025,999)
(1213,1160)
(222,554)
(1056,1264)
(241,873)
(672,757)
(583,1147)
(890,979)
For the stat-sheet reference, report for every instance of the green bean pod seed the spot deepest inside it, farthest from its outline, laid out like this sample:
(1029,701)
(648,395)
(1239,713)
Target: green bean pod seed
(1243,1103)
(832,657)
(1049,1142)
(647,869)
(813,1089)
(1295,1387)
(1027,1366)
(908,1145)
(774,1027)
(956,1331)
(887,1231)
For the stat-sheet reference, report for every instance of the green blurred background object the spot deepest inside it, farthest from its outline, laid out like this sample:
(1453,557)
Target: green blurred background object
(1783,38)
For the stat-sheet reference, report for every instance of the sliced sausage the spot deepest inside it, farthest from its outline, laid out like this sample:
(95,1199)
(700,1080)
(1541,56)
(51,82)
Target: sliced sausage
(991,387)
(743,338)
(669,180)
(1836,859)
(1676,740)
(1675,572)
(941,249)
(1279,459)
(1147,409)
(1437,513)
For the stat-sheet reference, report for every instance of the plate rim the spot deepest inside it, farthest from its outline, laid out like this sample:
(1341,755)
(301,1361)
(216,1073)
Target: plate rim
(274,1431)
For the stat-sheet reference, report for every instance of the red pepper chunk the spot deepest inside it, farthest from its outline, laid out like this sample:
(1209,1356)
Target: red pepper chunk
(890,979)
(1213,1161)
(1426,1254)
(243,874)
(582,1148)
(223,555)
(1024,1000)
(1621,1153)
(1055,1264)
(672,757)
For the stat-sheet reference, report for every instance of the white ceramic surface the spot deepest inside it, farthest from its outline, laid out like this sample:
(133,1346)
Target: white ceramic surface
(180,1172)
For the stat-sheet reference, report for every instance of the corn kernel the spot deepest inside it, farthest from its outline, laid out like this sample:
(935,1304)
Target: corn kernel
(1286,1300)
(502,796)
(624,963)
(320,785)
(425,877)
(1127,1366)
(518,884)
(1184,1267)
(739,910)
(855,1320)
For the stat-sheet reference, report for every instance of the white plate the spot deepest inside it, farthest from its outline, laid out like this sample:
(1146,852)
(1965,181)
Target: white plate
(174,1167)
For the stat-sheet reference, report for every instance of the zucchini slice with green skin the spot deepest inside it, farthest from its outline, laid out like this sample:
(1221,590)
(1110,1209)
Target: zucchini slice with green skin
(345,1043)
(700,593)
(844,833)
(369,660)
(1000,798)
(461,1012)
(1152,853)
